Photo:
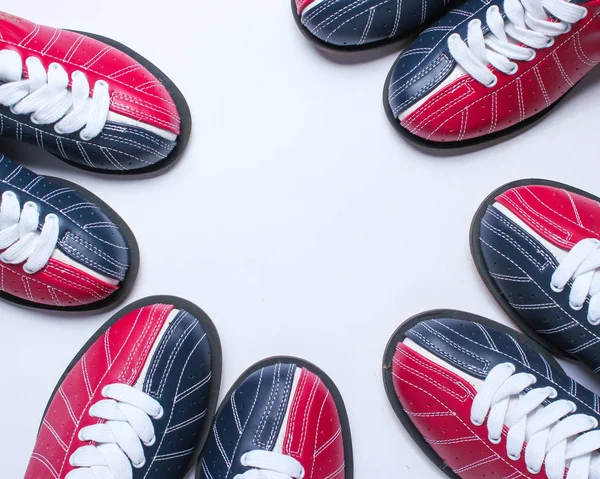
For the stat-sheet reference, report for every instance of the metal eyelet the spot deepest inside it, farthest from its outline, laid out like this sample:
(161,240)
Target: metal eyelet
(555,288)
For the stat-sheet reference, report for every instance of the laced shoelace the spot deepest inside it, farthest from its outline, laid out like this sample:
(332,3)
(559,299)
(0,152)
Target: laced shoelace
(19,235)
(526,29)
(581,265)
(553,435)
(270,465)
(47,98)
(120,440)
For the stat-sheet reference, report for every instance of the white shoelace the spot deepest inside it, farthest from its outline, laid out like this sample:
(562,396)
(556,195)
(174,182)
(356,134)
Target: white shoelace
(270,465)
(47,98)
(19,235)
(121,439)
(581,264)
(527,23)
(553,434)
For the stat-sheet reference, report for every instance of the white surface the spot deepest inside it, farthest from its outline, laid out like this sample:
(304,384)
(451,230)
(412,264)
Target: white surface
(316,228)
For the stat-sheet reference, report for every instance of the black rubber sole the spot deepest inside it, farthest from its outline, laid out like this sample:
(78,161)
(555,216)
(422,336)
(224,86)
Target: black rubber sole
(348,48)
(125,286)
(482,269)
(180,103)
(335,394)
(399,336)
(213,340)
(456,145)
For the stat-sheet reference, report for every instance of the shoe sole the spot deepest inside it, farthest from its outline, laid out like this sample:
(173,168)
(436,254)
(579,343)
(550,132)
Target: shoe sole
(178,99)
(125,286)
(335,394)
(454,145)
(399,336)
(481,266)
(215,353)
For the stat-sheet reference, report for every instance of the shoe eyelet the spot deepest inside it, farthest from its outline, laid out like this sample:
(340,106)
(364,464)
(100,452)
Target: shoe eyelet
(85,137)
(551,42)
(140,465)
(514,458)
(514,70)
(493,83)
(576,307)
(58,131)
(494,440)
(568,29)
(244,460)
(553,393)
(160,414)
(532,377)
(594,422)
(27,269)
(593,322)
(151,442)
(555,288)
(533,471)
(532,55)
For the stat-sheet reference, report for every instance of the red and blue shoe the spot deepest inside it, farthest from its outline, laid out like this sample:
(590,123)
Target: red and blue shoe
(536,244)
(61,247)
(484,401)
(487,69)
(350,25)
(87,99)
(285,419)
(138,399)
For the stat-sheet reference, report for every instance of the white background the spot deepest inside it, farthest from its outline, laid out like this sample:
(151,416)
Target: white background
(298,218)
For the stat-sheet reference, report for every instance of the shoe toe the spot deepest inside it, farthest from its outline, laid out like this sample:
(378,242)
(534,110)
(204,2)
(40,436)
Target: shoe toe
(355,23)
